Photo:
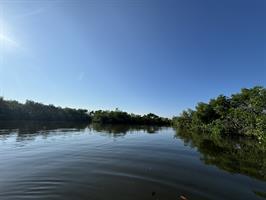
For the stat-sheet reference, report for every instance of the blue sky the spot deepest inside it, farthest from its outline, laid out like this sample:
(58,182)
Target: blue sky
(138,55)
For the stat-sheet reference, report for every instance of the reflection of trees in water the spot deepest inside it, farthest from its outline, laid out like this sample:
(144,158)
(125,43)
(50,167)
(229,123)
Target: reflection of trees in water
(235,155)
(29,130)
(121,130)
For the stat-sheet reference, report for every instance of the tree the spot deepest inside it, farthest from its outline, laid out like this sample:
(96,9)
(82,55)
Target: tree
(243,113)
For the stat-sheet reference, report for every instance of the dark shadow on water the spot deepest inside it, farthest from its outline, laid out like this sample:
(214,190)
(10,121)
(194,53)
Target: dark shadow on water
(28,130)
(121,130)
(36,126)
(235,155)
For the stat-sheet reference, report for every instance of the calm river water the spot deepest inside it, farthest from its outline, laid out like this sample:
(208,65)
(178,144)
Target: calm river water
(86,162)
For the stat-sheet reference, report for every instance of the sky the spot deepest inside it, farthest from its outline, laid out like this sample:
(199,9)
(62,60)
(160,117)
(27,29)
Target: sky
(141,56)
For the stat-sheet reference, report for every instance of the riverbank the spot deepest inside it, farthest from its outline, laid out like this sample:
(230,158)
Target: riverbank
(34,111)
(241,114)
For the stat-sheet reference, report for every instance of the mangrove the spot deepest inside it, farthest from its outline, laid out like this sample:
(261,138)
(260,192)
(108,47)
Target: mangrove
(241,114)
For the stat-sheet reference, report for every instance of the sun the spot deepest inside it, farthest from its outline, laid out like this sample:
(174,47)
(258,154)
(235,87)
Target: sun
(7,41)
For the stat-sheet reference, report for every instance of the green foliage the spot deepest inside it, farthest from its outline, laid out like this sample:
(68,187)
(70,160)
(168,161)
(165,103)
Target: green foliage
(241,114)
(120,117)
(260,194)
(13,110)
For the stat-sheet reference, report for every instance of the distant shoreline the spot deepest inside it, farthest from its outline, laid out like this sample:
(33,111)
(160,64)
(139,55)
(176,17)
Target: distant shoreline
(34,111)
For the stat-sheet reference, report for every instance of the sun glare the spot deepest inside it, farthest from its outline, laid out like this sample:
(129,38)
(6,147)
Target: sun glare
(6,41)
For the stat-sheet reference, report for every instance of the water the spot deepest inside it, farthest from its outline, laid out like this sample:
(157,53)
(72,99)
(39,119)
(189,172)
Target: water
(76,161)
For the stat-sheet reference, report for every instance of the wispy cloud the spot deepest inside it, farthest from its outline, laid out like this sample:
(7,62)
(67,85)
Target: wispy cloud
(32,13)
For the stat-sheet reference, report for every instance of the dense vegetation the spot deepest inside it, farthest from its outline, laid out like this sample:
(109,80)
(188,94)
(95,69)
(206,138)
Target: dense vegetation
(13,110)
(120,117)
(243,113)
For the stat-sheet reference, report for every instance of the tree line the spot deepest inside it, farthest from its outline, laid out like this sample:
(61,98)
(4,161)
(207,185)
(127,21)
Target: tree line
(30,110)
(120,117)
(243,113)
